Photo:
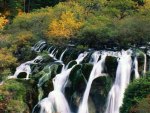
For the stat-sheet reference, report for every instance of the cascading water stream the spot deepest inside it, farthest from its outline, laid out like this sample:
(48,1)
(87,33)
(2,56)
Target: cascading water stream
(116,94)
(62,78)
(56,102)
(96,72)
(61,56)
(49,49)
(53,54)
(39,46)
(47,76)
(81,57)
(94,57)
(25,67)
(145,63)
(136,68)
(78,60)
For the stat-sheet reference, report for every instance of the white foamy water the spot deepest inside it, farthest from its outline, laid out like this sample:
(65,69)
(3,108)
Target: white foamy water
(116,94)
(25,67)
(145,63)
(96,72)
(39,46)
(136,68)
(56,98)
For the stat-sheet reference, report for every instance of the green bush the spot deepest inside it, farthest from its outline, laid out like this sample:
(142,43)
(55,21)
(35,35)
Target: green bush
(135,92)
(17,96)
(143,105)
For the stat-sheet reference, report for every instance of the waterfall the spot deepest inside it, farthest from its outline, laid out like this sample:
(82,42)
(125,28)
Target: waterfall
(56,101)
(61,56)
(94,57)
(56,97)
(145,63)
(39,46)
(47,76)
(53,54)
(96,72)
(81,57)
(116,94)
(25,67)
(136,68)
(61,79)
(49,49)
(61,59)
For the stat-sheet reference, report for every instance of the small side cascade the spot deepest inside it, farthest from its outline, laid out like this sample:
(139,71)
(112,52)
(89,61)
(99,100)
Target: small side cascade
(136,68)
(116,94)
(96,72)
(25,67)
(61,56)
(53,54)
(81,57)
(60,60)
(49,49)
(145,63)
(39,46)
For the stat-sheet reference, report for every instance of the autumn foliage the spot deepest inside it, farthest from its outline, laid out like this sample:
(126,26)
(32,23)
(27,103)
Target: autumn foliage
(66,26)
(3,22)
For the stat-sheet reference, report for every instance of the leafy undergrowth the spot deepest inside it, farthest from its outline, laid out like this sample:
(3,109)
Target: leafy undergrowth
(143,106)
(137,96)
(16,96)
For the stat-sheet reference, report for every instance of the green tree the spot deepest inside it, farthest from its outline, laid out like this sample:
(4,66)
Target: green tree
(120,8)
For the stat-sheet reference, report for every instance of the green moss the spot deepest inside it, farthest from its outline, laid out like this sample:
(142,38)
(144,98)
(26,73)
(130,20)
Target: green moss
(16,106)
(14,95)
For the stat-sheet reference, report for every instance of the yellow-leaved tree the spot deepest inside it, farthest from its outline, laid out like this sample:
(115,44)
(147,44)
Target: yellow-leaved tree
(3,22)
(145,9)
(66,26)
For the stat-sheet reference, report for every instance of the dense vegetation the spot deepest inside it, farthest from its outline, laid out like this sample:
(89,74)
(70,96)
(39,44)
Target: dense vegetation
(17,96)
(137,96)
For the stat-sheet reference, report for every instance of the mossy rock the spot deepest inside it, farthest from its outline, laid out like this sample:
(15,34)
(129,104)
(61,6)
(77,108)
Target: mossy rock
(99,92)
(111,66)
(86,70)
(16,96)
